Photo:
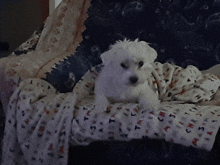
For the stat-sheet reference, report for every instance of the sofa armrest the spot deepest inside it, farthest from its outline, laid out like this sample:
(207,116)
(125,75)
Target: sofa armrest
(60,36)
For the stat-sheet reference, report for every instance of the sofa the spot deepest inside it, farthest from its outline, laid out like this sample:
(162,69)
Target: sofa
(47,86)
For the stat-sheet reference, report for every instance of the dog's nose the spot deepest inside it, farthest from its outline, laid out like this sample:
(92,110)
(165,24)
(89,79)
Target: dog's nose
(133,79)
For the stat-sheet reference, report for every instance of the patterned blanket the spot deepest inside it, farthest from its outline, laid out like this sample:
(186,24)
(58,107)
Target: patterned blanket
(41,123)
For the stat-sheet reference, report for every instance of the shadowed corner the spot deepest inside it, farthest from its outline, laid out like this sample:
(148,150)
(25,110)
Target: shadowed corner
(4,48)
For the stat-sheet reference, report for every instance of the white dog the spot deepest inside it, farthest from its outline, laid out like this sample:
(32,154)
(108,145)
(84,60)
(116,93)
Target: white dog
(127,65)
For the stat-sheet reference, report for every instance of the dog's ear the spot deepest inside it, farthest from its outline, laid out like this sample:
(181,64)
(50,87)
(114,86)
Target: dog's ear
(151,53)
(106,57)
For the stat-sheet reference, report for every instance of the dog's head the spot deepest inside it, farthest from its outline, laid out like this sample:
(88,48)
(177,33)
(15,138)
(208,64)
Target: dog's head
(129,61)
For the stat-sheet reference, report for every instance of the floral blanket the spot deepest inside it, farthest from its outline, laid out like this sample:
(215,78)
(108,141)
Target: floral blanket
(41,123)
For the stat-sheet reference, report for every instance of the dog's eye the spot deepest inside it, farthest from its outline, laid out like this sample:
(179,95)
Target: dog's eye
(123,65)
(141,63)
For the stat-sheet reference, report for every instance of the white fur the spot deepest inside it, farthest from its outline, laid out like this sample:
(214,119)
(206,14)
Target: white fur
(114,84)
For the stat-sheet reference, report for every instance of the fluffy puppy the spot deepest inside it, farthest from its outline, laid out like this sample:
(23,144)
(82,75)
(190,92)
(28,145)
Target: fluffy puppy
(127,65)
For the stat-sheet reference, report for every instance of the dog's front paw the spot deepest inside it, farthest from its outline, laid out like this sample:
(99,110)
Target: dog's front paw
(149,105)
(101,104)
(99,107)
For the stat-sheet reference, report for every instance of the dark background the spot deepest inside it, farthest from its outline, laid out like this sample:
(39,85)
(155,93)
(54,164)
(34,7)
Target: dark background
(18,20)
